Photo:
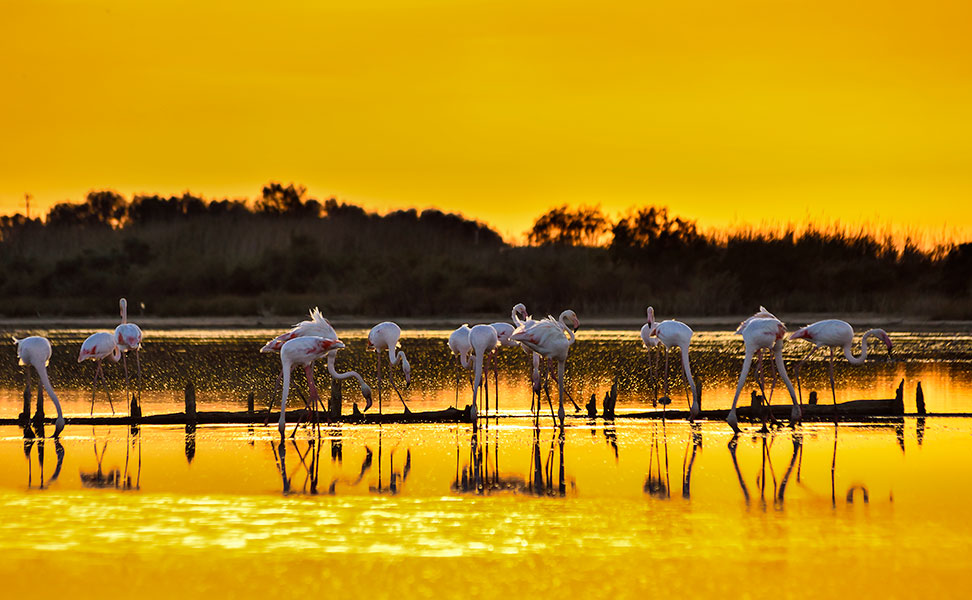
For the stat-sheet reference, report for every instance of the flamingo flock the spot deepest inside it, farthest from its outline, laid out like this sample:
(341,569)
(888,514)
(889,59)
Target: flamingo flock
(547,343)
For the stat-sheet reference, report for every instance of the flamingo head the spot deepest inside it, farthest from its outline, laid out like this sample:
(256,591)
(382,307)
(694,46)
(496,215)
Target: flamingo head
(407,370)
(651,315)
(58,426)
(887,341)
(647,331)
(569,317)
(366,393)
(123,309)
(521,311)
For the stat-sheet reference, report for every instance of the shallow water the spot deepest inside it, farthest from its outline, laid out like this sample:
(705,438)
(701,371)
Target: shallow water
(628,509)
(431,509)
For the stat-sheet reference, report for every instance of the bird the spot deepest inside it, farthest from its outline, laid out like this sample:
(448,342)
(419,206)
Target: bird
(35,351)
(461,349)
(759,333)
(522,319)
(302,351)
(552,340)
(318,326)
(97,347)
(671,334)
(834,333)
(483,340)
(383,337)
(128,336)
(503,332)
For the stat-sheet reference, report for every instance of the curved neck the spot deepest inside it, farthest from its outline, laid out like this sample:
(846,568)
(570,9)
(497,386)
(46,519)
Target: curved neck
(124,310)
(859,359)
(394,357)
(341,376)
(478,375)
(42,374)
(464,360)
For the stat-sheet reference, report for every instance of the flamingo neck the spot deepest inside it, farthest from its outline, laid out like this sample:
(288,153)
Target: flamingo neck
(46,382)
(124,310)
(860,358)
(477,375)
(464,360)
(341,376)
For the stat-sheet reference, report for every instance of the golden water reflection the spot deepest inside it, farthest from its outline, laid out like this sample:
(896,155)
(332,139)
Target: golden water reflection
(622,508)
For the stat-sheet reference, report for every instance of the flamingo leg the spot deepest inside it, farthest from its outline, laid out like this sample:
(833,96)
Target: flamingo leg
(833,385)
(127,382)
(312,389)
(560,382)
(496,388)
(104,381)
(732,419)
(391,378)
(666,371)
(94,385)
(378,357)
(485,389)
(546,389)
(138,367)
(800,366)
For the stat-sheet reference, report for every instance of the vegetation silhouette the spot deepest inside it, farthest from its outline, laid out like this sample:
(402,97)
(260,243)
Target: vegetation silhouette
(284,251)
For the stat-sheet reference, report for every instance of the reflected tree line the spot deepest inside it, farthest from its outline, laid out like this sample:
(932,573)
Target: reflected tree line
(285,250)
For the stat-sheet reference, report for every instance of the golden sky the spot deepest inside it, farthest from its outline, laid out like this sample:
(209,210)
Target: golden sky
(727,112)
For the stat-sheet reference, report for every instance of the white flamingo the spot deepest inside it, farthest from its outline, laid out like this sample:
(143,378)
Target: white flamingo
(35,351)
(759,333)
(552,340)
(128,336)
(461,349)
(97,347)
(522,319)
(384,337)
(483,340)
(673,334)
(834,333)
(317,326)
(302,351)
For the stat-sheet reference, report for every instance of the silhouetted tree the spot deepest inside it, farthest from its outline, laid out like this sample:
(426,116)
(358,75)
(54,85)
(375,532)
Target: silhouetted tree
(584,226)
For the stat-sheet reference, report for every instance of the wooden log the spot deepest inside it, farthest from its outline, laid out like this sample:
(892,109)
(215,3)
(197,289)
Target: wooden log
(899,399)
(249,404)
(920,400)
(334,404)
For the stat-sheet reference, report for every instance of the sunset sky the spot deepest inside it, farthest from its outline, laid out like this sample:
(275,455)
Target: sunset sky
(727,112)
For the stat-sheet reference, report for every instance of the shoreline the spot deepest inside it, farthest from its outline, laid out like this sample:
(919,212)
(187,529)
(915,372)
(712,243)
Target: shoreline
(890,322)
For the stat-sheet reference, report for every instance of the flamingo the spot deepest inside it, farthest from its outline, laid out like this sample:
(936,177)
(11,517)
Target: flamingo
(483,340)
(383,337)
(303,351)
(834,333)
(671,334)
(128,336)
(522,319)
(35,351)
(503,332)
(97,347)
(318,326)
(461,348)
(759,333)
(551,340)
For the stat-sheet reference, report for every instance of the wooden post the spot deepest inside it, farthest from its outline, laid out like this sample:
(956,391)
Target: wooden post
(249,405)
(134,409)
(592,407)
(813,399)
(920,400)
(899,399)
(190,403)
(334,404)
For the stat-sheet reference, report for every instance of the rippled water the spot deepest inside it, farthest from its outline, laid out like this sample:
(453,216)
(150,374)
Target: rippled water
(626,509)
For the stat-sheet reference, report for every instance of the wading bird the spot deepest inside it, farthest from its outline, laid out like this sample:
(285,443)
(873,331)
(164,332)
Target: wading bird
(763,332)
(551,340)
(522,319)
(35,351)
(97,347)
(128,336)
(302,351)
(318,326)
(384,337)
(483,340)
(834,333)
(671,334)
(461,349)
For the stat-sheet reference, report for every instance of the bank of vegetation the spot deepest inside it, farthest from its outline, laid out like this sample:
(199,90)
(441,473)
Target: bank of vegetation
(284,251)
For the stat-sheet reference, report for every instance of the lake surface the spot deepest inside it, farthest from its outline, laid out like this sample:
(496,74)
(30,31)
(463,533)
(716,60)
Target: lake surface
(627,509)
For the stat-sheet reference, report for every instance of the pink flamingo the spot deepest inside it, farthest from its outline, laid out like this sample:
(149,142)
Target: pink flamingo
(35,351)
(763,332)
(552,340)
(128,336)
(522,319)
(462,349)
(483,340)
(97,347)
(834,333)
(303,351)
(317,326)
(384,337)
(671,334)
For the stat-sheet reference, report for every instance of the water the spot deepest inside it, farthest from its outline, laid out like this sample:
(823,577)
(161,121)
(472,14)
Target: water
(628,509)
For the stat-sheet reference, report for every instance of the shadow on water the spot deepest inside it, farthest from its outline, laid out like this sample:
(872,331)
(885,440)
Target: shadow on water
(127,478)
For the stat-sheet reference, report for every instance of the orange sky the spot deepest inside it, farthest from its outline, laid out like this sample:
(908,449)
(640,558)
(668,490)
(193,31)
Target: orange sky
(727,112)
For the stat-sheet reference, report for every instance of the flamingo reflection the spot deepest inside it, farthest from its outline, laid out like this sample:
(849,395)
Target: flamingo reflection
(31,442)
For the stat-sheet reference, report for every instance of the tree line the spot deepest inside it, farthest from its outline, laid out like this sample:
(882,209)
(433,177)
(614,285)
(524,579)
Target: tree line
(284,251)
